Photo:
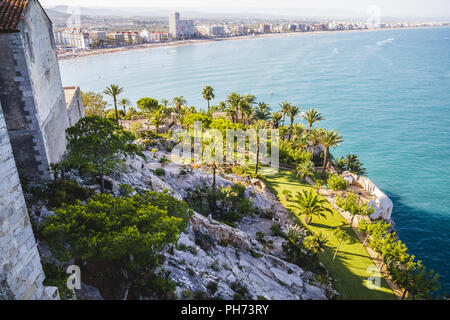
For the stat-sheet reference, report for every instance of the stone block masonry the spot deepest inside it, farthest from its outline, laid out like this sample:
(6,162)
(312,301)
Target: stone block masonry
(19,109)
(74,103)
(21,273)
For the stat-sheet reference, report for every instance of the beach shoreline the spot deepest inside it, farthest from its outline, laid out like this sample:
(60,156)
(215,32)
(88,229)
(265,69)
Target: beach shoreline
(82,54)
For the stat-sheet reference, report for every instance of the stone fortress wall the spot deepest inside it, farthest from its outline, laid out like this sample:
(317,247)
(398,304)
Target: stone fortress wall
(33,118)
(32,94)
(21,273)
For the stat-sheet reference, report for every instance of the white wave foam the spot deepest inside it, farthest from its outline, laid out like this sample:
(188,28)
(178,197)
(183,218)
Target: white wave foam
(387,41)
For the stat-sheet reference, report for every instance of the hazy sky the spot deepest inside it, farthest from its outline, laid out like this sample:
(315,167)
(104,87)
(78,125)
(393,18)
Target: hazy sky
(399,8)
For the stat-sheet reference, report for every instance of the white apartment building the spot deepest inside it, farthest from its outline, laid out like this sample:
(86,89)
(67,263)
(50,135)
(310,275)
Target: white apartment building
(212,31)
(180,28)
(75,38)
(98,35)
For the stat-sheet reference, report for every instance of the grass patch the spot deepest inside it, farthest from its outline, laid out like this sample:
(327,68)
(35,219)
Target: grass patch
(352,262)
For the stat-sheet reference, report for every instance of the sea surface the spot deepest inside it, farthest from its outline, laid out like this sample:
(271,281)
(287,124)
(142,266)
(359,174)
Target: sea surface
(387,92)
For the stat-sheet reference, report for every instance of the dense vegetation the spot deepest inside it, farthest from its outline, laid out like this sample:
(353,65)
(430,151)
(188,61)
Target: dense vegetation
(118,241)
(304,147)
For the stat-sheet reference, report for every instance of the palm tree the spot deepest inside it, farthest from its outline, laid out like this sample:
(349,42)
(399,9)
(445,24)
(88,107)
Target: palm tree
(259,125)
(315,242)
(353,164)
(222,106)
(114,90)
(329,139)
(208,94)
(157,119)
(231,113)
(293,111)
(342,236)
(312,116)
(305,169)
(246,110)
(276,119)
(340,165)
(165,102)
(124,102)
(262,112)
(233,100)
(314,140)
(251,99)
(284,109)
(310,204)
(297,131)
(179,102)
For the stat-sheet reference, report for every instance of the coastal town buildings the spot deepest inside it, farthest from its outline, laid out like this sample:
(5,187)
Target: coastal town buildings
(77,38)
(212,31)
(180,28)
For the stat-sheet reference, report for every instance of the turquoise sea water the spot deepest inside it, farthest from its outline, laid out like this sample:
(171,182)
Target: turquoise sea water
(386,92)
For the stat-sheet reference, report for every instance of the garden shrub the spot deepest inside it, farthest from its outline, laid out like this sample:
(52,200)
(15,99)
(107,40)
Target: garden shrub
(337,183)
(119,241)
(57,193)
(159,172)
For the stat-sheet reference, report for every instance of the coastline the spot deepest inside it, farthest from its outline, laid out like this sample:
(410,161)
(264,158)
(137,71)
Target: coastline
(82,54)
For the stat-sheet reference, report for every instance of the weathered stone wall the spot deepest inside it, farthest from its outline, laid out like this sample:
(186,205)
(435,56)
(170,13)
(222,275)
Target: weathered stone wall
(40,50)
(19,109)
(75,109)
(21,274)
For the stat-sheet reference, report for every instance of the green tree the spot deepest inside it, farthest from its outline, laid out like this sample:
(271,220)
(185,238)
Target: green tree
(305,169)
(208,94)
(147,105)
(124,102)
(96,143)
(234,100)
(276,119)
(114,90)
(373,229)
(314,140)
(157,119)
(188,121)
(179,102)
(118,240)
(354,206)
(246,108)
(310,204)
(284,109)
(259,125)
(93,103)
(312,116)
(354,165)
(340,164)
(315,243)
(342,236)
(329,139)
(165,103)
(292,112)
(262,112)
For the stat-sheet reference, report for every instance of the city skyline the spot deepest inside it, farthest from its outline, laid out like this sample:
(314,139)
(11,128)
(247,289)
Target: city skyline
(401,8)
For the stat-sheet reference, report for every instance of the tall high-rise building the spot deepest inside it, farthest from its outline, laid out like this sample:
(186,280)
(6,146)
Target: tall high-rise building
(180,28)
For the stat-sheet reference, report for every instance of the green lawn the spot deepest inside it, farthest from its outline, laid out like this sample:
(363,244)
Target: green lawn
(349,269)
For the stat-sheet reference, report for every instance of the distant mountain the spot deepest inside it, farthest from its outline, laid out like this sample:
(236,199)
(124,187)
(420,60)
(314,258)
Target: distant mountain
(225,13)
(198,13)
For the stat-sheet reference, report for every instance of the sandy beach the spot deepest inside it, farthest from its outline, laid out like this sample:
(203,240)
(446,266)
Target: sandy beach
(80,54)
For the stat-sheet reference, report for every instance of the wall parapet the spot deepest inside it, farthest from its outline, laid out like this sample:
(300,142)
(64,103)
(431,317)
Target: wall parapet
(382,203)
(74,104)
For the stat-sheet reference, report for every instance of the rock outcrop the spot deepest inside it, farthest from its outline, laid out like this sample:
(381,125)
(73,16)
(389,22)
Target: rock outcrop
(211,254)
